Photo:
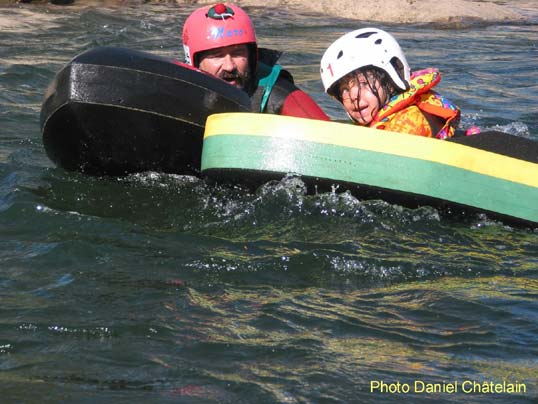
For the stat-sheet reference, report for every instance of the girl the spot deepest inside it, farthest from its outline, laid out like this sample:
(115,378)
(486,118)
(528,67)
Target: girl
(368,73)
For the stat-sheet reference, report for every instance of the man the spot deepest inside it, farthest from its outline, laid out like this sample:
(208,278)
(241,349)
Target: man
(221,41)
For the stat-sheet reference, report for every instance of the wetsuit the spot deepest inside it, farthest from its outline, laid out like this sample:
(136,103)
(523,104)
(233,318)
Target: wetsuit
(275,92)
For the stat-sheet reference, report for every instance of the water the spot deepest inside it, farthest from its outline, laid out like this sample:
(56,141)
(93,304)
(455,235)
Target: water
(160,288)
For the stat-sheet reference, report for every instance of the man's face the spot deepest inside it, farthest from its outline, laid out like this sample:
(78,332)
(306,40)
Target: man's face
(229,63)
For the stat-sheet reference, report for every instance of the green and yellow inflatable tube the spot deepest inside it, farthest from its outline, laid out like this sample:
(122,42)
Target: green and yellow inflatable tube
(250,149)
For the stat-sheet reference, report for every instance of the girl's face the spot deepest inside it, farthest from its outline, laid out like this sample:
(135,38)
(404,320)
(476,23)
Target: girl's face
(362,96)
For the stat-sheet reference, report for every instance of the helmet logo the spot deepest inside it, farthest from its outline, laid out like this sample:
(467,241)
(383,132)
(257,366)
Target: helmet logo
(220,33)
(187,53)
(220,11)
(329,68)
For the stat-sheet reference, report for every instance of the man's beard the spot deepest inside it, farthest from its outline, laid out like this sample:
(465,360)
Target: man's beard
(242,81)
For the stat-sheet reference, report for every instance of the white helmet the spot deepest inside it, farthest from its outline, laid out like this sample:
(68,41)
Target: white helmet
(360,48)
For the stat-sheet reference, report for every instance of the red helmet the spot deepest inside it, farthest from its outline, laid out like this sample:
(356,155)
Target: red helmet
(216,26)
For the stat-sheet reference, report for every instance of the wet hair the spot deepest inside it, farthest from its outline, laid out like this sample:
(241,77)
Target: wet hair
(372,74)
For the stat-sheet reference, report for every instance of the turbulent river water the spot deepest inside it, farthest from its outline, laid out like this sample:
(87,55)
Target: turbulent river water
(161,288)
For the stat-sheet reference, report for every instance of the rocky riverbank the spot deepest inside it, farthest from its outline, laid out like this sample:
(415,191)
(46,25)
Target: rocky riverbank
(451,12)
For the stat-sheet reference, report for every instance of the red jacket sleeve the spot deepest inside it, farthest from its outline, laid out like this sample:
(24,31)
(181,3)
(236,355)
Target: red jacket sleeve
(301,105)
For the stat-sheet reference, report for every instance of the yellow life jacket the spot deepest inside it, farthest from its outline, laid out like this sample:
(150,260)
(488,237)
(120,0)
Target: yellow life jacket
(412,111)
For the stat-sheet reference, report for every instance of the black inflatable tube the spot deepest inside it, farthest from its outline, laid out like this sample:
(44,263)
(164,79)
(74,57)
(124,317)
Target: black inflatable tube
(114,111)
